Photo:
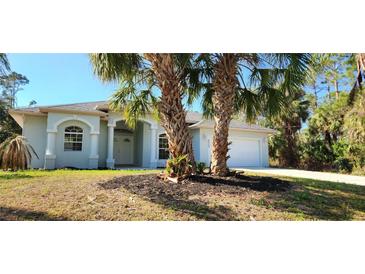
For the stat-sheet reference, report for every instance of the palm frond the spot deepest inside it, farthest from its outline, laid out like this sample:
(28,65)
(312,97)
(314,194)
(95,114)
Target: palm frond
(134,103)
(114,66)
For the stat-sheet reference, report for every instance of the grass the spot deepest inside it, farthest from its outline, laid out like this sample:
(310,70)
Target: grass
(78,195)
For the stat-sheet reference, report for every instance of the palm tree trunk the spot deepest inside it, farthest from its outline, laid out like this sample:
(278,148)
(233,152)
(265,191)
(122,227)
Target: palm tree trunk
(315,96)
(360,63)
(336,89)
(171,110)
(224,85)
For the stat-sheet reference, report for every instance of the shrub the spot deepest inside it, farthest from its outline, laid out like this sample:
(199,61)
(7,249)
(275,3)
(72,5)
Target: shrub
(343,164)
(176,167)
(200,167)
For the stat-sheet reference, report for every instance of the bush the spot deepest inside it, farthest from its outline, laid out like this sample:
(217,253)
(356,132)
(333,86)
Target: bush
(344,165)
(200,167)
(175,167)
(315,154)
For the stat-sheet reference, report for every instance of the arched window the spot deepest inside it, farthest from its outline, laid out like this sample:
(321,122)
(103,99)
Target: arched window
(163,147)
(73,138)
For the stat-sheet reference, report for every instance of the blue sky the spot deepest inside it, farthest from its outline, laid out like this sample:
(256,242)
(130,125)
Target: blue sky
(60,78)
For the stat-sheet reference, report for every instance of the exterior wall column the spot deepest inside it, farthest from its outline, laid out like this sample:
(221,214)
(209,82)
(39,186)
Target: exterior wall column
(50,157)
(110,158)
(94,150)
(153,161)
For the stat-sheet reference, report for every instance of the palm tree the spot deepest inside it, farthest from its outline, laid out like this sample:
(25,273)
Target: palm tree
(249,84)
(355,121)
(16,153)
(284,145)
(138,74)
(360,65)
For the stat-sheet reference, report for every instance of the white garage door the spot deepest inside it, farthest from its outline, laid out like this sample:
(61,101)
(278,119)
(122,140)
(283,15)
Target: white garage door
(244,152)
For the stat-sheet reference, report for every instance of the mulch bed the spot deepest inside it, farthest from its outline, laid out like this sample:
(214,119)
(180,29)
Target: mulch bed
(190,195)
(197,185)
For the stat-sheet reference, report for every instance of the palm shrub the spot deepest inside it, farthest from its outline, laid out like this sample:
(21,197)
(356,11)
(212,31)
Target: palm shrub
(200,167)
(16,153)
(175,167)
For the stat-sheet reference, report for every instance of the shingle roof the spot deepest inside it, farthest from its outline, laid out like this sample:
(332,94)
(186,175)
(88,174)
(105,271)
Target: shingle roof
(88,106)
(235,124)
(192,117)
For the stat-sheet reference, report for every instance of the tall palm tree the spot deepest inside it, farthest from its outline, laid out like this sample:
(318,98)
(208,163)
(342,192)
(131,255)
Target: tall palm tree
(138,74)
(360,65)
(249,84)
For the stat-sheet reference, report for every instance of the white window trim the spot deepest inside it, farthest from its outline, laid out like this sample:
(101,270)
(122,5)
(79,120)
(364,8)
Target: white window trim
(76,142)
(158,146)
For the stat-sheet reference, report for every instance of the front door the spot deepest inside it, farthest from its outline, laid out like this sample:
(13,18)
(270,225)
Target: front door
(123,149)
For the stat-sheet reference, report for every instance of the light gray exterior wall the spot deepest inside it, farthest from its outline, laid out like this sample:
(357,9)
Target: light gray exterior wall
(55,119)
(35,130)
(76,159)
(196,143)
(146,147)
(138,144)
(206,137)
(103,143)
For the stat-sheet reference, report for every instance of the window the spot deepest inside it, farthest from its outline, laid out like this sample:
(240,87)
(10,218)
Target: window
(163,147)
(73,139)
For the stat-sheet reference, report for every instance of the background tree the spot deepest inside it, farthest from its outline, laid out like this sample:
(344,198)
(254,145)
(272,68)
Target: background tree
(138,75)
(11,84)
(284,145)
(358,61)
(8,126)
(324,145)
(354,129)
(4,64)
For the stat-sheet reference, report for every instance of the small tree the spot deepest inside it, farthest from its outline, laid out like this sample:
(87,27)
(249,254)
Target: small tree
(16,153)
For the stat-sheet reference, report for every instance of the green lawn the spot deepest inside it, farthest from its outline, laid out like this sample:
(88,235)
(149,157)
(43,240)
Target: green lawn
(78,195)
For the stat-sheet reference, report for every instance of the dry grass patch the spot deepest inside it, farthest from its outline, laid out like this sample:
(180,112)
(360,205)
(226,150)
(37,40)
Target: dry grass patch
(128,195)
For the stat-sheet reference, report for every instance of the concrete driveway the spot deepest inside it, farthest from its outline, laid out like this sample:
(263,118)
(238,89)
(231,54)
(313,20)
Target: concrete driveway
(323,176)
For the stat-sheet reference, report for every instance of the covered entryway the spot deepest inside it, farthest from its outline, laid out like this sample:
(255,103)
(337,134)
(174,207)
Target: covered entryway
(131,147)
(244,152)
(123,148)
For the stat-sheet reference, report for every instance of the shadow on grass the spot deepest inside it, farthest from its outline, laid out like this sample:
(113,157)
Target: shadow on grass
(323,200)
(15,214)
(173,196)
(10,176)
(187,196)
(307,199)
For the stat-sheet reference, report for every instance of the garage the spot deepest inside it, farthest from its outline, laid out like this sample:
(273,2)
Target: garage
(244,152)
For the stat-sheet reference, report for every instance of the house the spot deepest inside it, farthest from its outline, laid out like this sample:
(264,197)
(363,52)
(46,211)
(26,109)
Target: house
(89,136)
